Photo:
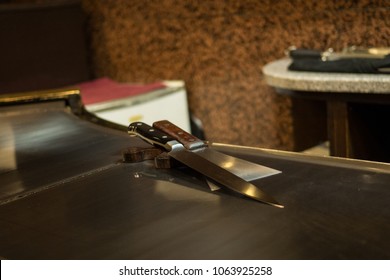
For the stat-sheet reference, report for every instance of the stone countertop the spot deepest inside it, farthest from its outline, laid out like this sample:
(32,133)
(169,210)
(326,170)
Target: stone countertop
(277,75)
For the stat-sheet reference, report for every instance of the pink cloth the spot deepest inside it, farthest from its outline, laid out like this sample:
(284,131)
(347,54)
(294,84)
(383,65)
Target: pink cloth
(105,89)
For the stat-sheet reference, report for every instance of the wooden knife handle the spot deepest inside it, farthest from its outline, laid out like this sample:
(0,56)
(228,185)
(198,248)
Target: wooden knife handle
(188,140)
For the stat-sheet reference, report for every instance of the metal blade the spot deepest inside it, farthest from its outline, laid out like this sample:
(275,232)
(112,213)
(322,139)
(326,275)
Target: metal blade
(222,176)
(245,169)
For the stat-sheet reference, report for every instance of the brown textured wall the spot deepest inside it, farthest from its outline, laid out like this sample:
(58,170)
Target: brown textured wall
(219,47)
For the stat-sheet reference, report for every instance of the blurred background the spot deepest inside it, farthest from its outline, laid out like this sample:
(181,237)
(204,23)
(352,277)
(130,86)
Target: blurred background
(218,48)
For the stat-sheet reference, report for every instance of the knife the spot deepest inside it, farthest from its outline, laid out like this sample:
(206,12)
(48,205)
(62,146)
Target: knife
(245,169)
(177,151)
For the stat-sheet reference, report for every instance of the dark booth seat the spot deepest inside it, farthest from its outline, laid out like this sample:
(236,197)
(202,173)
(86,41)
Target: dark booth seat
(43,46)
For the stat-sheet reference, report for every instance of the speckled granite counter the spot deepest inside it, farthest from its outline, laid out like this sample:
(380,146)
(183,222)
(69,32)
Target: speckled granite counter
(277,75)
(358,107)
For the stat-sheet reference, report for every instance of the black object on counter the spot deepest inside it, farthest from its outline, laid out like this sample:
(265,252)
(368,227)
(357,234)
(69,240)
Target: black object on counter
(347,65)
(344,62)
